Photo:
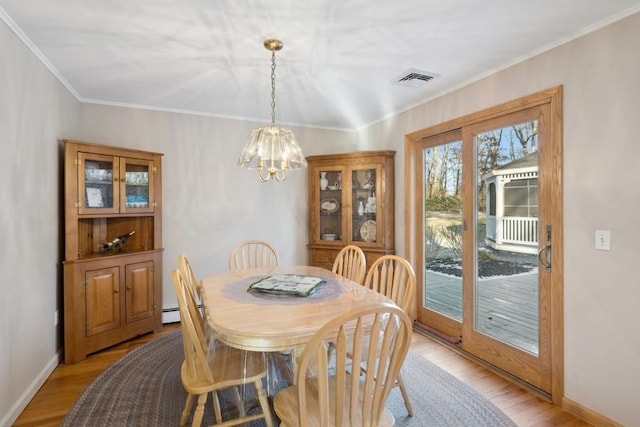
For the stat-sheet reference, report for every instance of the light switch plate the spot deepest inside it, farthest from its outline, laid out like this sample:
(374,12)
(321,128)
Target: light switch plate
(603,240)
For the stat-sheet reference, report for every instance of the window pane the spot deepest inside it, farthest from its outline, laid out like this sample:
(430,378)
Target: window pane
(443,229)
(506,279)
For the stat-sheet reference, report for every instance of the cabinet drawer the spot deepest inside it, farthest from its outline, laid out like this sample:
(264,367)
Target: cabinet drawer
(322,257)
(371,257)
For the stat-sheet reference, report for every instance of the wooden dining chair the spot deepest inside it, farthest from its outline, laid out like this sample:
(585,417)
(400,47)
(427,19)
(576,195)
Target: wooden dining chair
(350,263)
(326,393)
(394,277)
(253,255)
(205,371)
(191,280)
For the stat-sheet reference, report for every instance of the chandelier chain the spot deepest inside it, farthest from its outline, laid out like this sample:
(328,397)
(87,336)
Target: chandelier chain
(273,88)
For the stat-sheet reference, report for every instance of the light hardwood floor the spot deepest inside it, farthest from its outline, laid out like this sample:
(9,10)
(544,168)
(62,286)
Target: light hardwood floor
(65,384)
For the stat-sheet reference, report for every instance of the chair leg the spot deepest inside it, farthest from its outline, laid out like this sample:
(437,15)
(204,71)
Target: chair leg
(187,410)
(216,406)
(405,395)
(264,403)
(239,402)
(199,412)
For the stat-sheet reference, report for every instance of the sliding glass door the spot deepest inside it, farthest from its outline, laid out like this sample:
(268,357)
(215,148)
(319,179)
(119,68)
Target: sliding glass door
(487,202)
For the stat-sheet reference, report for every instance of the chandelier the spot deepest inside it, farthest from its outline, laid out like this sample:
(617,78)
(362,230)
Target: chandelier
(272,150)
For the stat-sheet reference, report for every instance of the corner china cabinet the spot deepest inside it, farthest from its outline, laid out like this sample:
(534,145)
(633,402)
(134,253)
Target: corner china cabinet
(113,246)
(350,203)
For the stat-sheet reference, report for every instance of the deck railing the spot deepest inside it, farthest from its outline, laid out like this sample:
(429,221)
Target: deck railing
(517,234)
(519,230)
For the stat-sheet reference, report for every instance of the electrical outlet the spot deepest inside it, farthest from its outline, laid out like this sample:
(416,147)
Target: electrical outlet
(56,319)
(603,240)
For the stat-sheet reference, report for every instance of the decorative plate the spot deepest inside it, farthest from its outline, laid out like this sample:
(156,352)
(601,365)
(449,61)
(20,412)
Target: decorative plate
(329,205)
(368,185)
(368,231)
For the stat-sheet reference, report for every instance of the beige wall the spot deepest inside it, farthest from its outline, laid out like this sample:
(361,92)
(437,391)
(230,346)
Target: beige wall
(36,111)
(601,192)
(210,203)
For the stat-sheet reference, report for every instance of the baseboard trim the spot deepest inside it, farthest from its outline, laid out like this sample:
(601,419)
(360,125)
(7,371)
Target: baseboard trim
(587,414)
(449,343)
(31,391)
(568,405)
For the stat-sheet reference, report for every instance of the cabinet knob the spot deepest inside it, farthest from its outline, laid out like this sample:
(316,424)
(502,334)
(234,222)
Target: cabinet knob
(116,290)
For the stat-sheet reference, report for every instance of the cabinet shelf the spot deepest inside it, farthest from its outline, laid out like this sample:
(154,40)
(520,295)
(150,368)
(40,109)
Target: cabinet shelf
(364,217)
(102,255)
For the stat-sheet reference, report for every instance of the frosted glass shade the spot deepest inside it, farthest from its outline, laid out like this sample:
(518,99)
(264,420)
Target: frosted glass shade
(272,151)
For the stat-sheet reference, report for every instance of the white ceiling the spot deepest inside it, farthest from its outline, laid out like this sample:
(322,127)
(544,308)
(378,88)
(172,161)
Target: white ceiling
(337,67)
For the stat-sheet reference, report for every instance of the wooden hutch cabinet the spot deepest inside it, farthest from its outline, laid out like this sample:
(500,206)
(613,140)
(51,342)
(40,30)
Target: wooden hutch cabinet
(350,202)
(112,287)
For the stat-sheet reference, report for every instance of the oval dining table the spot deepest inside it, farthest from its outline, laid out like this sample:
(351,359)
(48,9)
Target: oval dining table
(265,322)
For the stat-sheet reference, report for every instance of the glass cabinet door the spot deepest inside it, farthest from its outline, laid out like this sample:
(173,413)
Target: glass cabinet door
(97,192)
(331,205)
(364,205)
(137,184)
(110,184)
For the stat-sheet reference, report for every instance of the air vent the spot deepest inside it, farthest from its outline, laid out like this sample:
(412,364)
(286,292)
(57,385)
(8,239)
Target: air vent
(415,78)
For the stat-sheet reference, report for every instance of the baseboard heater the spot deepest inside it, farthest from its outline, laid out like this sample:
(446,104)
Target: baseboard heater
(172,314)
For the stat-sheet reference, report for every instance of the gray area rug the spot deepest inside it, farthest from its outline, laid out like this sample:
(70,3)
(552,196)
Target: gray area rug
(144,389)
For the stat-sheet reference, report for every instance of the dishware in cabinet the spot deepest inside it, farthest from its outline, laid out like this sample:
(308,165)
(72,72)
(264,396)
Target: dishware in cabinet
(350,202)
(113,184)
(330,205)
(364,224)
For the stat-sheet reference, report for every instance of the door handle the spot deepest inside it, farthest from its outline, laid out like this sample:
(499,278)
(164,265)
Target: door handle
(546,249)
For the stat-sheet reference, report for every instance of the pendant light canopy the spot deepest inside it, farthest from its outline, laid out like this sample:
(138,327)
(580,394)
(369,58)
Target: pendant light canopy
(272,150)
